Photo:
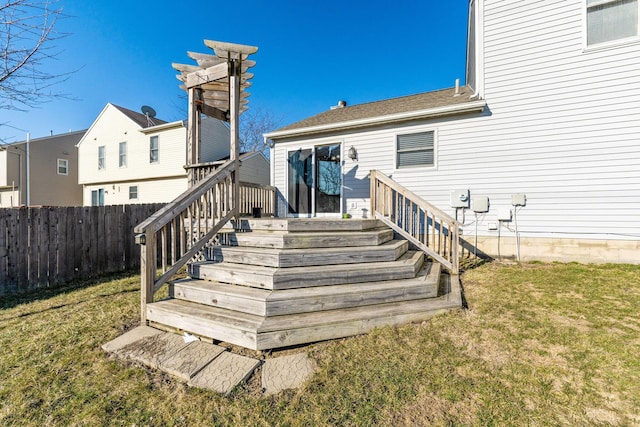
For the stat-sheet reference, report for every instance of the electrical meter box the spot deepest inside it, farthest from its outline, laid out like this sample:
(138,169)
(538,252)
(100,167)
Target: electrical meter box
(518,199)
(460,198)
(504,214)
(480,204)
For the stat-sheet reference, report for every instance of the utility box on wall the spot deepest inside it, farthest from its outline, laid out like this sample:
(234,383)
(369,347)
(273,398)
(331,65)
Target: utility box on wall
(460,198)
(480,204)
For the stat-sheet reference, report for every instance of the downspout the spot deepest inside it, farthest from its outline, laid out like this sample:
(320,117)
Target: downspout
(27,184)
(479,48)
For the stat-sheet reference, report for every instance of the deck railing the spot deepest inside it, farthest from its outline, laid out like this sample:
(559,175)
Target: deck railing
(178,231)
(257,196)
(424,225)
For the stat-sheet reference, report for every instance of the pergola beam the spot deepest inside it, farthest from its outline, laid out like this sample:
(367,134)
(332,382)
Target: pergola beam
(208,75)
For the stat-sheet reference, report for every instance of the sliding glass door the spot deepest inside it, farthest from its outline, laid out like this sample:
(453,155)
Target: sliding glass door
(314,181)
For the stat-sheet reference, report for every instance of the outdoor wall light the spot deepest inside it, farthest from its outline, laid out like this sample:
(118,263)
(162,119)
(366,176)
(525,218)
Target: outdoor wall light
(141,239)
(352,154)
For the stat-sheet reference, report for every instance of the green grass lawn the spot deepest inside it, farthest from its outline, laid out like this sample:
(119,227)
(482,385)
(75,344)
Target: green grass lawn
(540,344)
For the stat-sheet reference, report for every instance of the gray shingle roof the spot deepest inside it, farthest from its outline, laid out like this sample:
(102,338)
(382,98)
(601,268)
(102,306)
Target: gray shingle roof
(404,104)
(140,118)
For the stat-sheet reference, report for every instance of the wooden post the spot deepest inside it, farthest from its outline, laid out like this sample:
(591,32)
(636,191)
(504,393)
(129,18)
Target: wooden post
(193,133)
(147,273)
(372,193)
(235,69)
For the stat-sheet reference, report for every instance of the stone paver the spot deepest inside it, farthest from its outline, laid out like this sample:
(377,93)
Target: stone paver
(281,373)
(205,365)
(225,372)
(190,360)
(151,350)
(130,337)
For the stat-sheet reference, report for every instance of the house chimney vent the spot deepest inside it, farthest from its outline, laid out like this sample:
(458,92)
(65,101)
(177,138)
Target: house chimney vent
(341,104)
(457,92)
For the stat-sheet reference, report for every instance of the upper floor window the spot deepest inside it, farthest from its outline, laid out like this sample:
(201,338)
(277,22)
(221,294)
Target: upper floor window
(154,155)
(415,149)
(609,20)
(63,167)
(101,163)
(122,154)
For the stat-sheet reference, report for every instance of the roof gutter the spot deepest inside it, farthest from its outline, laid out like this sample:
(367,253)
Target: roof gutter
(449,110)
(163,126)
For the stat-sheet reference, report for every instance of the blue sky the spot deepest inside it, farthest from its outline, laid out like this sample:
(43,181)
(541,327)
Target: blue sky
(311,54)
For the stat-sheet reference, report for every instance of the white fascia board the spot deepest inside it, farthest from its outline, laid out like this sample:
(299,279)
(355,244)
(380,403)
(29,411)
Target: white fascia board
(378,120)
(164,126)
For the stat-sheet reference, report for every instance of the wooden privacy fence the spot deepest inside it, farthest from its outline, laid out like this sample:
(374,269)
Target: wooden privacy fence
(46,246)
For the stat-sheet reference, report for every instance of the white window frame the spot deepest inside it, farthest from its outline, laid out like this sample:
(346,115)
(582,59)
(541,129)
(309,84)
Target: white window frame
(64,162)
(157,149)
(122,157)
(609,43)
(136,192)
(412,132)
(102,162)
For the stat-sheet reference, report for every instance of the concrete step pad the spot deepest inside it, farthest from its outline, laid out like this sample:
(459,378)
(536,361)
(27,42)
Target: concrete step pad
(286,372)
(201,364)
(225,373)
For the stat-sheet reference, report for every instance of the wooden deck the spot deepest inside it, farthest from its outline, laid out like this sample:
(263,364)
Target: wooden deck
(284,282)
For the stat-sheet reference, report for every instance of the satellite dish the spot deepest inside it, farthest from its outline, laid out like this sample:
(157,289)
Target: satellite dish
(148,111)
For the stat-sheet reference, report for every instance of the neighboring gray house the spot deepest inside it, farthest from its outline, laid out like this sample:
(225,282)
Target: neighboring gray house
(52,163)
(546,130)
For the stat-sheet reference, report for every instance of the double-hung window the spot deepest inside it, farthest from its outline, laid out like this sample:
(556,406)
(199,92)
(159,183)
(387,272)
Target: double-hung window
(101,163)
(133,192)
(63,167)
(415,150)
(154,150)
(122,154)
(610,20)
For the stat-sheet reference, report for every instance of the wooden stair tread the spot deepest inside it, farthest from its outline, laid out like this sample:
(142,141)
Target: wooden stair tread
(304,240)
(305,224)
(406,266)
(273,257)
(258,332)
(299,300)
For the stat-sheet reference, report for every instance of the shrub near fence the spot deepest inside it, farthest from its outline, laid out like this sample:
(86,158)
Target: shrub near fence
(44,247)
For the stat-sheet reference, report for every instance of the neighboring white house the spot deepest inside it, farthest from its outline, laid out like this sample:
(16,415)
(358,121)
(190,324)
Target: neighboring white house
(41,172)
(127,157)
(549,121)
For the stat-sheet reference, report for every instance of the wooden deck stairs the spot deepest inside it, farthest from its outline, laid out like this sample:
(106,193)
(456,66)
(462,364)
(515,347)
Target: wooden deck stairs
(278,282)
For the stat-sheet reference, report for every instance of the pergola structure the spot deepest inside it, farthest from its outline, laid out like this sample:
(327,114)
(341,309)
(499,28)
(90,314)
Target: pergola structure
(217,86)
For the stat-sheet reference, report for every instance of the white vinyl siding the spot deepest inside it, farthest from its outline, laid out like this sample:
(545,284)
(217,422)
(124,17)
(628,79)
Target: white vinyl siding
(122,154)
(562,126)
(63,167)
(609,20)
(415,150)
(154,150)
